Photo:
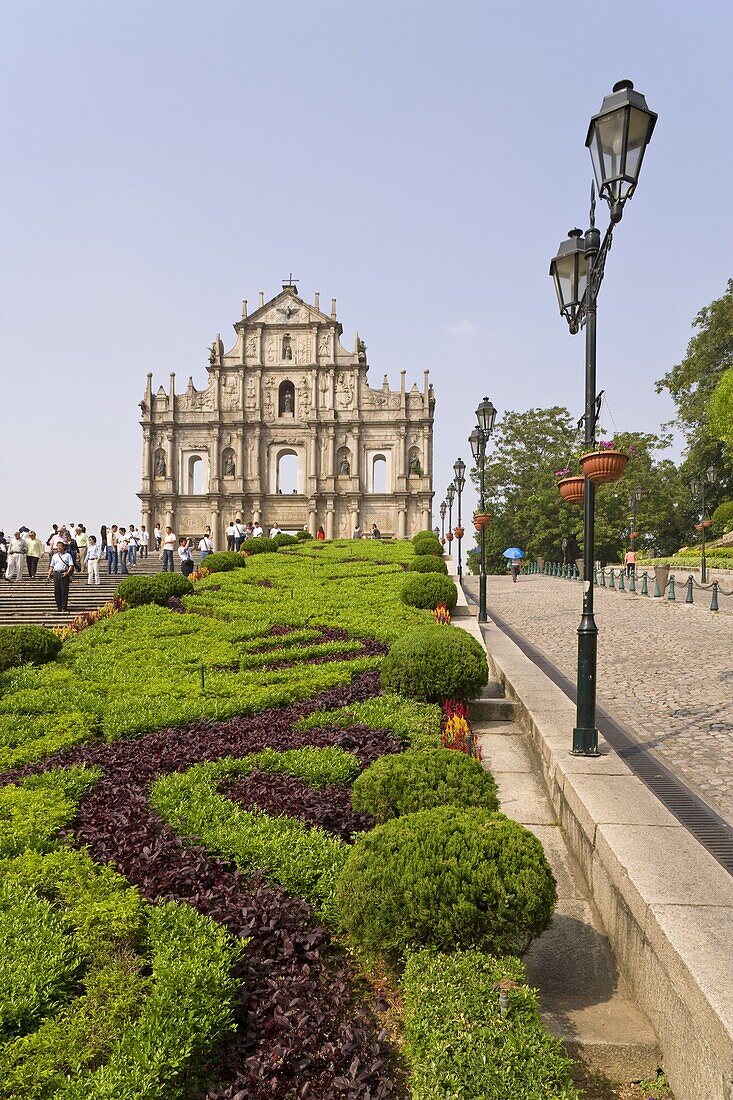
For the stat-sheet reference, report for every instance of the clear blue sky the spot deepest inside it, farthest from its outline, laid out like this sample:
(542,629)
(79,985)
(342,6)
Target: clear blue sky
(419,162)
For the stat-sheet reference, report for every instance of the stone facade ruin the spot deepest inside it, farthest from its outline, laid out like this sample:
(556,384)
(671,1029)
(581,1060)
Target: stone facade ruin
(288,431)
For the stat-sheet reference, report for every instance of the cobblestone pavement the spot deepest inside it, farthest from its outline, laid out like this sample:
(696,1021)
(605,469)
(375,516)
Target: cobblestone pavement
(665,671)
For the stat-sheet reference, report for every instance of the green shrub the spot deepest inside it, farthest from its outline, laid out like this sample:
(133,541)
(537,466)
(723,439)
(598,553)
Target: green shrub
(303,536)
(21,645)
(427,563)
(433,663)
(224,561)
(722,519)
(261,545)
(28,738)
(136,591)
(422,535)
(33,811)
(428,590)
(285,540)
(448,878)
(427,544)
(40,961)
(420,780)
(458,1043)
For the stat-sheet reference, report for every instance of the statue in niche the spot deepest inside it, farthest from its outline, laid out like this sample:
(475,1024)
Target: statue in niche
(288,403)
(344,467)
(415,467)
(229,467)
(287,350)
(159,464)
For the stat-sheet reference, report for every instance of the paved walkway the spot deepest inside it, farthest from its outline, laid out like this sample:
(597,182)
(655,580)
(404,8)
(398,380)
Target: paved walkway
(665,671)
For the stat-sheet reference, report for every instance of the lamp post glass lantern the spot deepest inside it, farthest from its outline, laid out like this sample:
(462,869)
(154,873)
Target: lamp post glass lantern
(459,469)
(443,509)
(450,497)
(617,139)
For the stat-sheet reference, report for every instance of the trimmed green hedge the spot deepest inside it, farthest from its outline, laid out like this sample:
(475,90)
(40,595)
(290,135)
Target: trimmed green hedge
(421,780)
(427,590)
(285,540)
(415,724)
(433,663)
(427,543)
(261,545)
(224,561)
(458,1043)
(303,536)
(28,644)
(427,563)
(447,878)
(137,591)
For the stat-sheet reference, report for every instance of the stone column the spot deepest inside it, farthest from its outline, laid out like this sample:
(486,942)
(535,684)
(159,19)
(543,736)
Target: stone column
(329,518)
(216,531)
(147,460)
(401,523)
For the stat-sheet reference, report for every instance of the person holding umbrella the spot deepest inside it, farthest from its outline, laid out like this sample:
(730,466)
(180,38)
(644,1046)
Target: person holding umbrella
(515,556)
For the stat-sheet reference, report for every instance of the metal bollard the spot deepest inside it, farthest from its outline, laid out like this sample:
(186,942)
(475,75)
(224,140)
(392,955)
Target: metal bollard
(645,583)
(657,593)
(612,580)
(690,585)
(595,575)
(602,581)
(621,582)
(671,595)
(714,600)
(632,581)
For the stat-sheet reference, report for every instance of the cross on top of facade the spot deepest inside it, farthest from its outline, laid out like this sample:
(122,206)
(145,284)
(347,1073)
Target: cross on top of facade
(291,281)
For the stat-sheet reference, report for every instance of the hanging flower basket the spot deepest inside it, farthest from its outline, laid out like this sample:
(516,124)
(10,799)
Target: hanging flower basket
(698,527)
(707,523)
(571,489)
(442,542)
(605,466)
(449,537)
(481,520)
(459,532)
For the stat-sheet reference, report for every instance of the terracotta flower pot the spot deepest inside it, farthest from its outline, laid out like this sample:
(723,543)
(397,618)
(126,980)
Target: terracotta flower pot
(604,467)
(698,527)
(707,523)
(459,532)
(449,536)
(481,520)
(571,489)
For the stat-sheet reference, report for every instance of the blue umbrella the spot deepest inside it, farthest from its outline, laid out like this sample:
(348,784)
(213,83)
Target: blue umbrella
(513,552)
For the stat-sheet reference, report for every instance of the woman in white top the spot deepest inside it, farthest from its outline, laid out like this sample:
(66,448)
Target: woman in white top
(91,559)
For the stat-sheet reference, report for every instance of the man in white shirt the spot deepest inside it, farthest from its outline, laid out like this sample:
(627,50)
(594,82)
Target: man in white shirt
(274,531)
(169,543)
(206,546)
(62,568)
(257,531)
(158,536)
(132,540)
(230,533)
(16,553)
(239,532)
(144,541)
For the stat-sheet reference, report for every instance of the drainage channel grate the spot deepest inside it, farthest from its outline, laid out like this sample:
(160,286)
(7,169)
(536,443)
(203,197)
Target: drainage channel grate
(708,828)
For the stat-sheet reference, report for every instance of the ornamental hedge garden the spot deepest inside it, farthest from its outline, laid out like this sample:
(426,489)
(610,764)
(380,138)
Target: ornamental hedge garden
(237,862)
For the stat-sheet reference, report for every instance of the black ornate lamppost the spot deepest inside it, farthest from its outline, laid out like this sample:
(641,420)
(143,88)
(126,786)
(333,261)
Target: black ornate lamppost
(617,138)
(450,496)
(698,485)
(479,438)
(459,469)
(634,500)
(443,509)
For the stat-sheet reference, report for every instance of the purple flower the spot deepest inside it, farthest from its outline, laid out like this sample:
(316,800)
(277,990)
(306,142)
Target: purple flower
(564,472)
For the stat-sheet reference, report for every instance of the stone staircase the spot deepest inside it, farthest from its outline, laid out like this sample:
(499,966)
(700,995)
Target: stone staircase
(31,601)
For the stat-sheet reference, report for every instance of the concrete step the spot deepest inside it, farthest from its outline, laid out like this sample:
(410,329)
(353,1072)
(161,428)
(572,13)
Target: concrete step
(493,709)
(583,999)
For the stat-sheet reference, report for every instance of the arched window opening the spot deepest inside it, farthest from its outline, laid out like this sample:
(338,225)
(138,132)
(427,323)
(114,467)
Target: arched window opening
(286,399)
(195,474)
(379,474)
(343,462)
(287,472)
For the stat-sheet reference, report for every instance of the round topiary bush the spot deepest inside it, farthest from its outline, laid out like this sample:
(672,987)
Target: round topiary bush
(285,540)
(136,591)
(427,590)
(303,536)
(27,644)
(427,563)
(447,878)
(261,545)
(427,544)
(224,561)
(433,663)
(421,535)
(422,779)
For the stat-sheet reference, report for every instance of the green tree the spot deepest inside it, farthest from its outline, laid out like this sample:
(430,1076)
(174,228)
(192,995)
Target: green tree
(692,383)
(721,410)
